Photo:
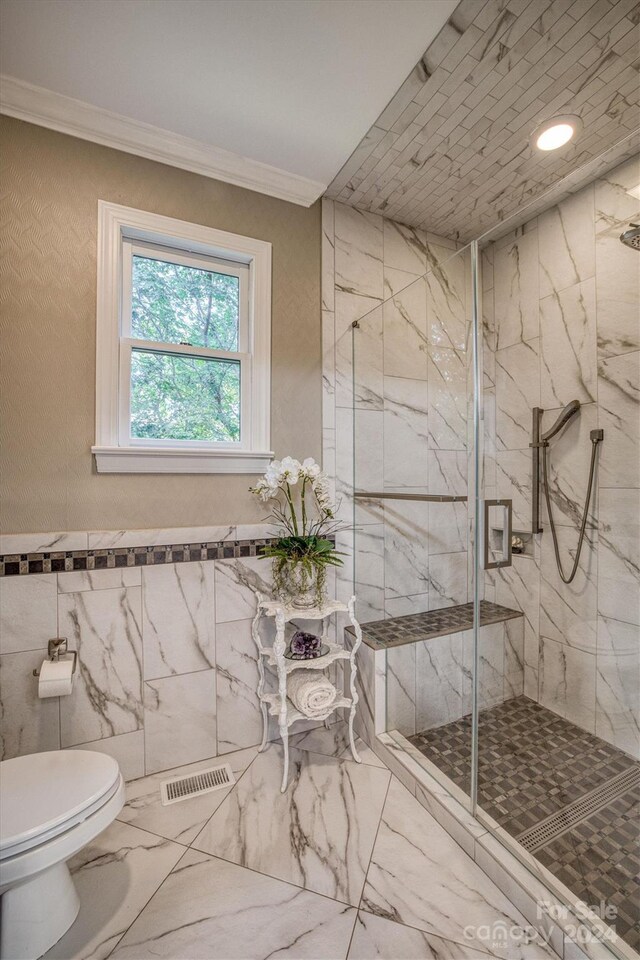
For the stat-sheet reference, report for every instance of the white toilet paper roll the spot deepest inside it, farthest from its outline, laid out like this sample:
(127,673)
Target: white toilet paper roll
(56,678)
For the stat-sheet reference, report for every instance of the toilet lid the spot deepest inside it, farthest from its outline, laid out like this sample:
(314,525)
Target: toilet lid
(42,792)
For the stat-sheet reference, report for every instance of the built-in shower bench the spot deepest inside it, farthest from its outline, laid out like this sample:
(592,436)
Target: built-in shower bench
(415,672)
(397,631)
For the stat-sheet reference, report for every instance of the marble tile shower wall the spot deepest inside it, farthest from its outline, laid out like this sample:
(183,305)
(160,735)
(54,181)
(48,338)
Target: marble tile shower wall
(561,306)
(168,671)
(395,407)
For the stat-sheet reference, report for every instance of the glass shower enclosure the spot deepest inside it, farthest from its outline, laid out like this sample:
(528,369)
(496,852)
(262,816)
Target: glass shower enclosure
(497,385)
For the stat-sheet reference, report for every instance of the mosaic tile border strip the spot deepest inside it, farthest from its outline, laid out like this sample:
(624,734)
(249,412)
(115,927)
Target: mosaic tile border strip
(21,564)
(397,631)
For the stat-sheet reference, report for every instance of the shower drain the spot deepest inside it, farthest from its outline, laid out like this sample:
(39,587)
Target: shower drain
(579,810)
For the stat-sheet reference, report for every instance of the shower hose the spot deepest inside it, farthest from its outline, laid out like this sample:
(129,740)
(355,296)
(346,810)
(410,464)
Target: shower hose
(594,450)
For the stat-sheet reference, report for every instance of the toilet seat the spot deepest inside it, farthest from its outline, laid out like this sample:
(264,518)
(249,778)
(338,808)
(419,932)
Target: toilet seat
(52,805)
(46,794)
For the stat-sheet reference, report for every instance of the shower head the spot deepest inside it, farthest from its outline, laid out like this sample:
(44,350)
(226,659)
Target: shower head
(631,237)
(569,411)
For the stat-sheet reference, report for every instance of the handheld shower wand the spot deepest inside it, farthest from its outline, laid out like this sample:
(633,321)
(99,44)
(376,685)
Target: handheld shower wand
(541,442)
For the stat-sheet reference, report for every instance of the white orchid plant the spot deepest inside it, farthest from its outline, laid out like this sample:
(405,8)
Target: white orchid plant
(301,504)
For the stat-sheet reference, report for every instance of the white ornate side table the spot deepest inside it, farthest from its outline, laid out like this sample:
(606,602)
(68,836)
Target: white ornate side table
(278,704)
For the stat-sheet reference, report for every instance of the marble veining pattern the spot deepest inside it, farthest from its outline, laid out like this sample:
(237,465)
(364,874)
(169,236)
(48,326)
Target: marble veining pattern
(310,835)
(589,326)
(450,151)
(104,626)
(405,885)
(148,890)
(178,619)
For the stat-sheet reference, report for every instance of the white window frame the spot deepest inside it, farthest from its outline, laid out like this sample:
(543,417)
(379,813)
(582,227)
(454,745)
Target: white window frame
(120,231)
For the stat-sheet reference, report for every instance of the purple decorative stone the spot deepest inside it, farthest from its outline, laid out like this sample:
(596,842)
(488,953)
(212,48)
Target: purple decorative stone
(305,644)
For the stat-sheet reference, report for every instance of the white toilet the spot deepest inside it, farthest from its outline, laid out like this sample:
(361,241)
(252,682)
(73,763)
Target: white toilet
(51,806)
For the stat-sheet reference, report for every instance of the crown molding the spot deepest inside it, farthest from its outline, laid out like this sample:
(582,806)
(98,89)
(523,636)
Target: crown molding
(25,101)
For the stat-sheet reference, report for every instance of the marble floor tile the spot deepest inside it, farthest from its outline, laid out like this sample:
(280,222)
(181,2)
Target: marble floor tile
(419,876)
(178,622)
(376,938)
(115,876)
(208,909)
(182,821)
(318,834)
(333,741)
(179,720)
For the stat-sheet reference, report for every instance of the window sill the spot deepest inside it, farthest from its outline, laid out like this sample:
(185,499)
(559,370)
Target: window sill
(169,460)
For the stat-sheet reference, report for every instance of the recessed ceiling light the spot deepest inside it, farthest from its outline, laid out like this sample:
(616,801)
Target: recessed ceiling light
(555,133)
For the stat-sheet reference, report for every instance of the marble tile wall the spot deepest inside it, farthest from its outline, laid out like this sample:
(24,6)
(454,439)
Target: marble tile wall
(167,664)
(561,299)
(396,405)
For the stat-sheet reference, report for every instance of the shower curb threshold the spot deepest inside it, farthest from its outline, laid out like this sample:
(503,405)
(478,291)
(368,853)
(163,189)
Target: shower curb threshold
(571,929)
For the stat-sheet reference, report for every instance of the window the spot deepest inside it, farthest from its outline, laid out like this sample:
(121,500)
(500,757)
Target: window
(183,347)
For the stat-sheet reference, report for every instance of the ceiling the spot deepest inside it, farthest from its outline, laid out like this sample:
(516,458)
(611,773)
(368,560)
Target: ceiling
(294,84)
(450,153)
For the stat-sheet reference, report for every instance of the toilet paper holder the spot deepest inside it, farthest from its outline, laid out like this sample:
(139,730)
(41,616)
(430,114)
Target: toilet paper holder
(56,648)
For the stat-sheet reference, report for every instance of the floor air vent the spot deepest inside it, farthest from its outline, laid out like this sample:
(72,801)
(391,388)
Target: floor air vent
(204,781)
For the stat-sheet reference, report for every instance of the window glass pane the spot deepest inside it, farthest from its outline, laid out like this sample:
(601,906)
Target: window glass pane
(173,303)
(184,398)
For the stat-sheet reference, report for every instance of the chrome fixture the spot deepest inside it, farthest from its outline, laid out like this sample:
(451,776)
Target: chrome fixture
(565,415)
(631,237)
(428,497)
(541,442)
(57,648)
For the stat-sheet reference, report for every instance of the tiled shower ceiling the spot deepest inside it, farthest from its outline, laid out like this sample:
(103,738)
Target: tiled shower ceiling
(451,154)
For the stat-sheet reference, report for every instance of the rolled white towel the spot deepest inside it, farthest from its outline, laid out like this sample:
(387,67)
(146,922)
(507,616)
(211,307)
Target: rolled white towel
(312,695)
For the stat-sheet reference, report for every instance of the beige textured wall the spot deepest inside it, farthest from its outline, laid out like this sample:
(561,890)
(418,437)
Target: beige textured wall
(51,185)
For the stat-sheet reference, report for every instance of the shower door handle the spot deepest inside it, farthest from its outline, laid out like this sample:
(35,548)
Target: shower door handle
(504,530)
